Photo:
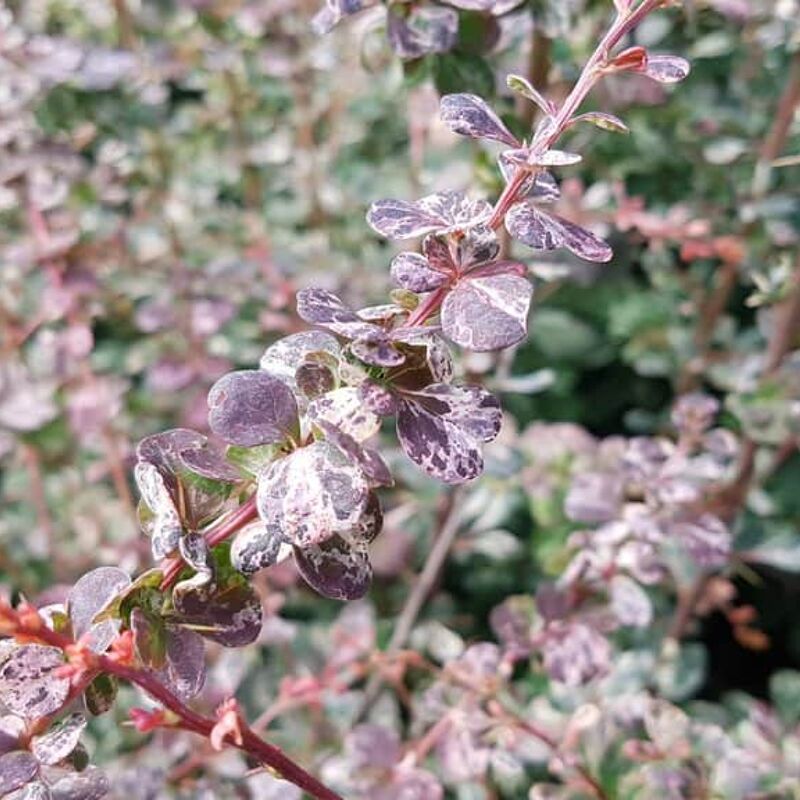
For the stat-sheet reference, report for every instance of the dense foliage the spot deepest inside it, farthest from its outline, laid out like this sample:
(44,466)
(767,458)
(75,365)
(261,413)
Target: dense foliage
(418,381)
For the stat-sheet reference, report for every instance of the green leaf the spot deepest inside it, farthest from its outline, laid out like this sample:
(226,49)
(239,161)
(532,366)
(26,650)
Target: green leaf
(460,72)
(100,694)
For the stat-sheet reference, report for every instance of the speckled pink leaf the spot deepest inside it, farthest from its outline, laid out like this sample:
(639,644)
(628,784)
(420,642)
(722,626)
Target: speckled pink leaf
(27,684)
(16,769)
(283,358)
(412,271)
(251,407)
(255,548)
(59,741)
(335,569)
(547,232)
(469,115)
(323,308)
(441,429)
(344,409)
(441,212)
(372,464)
(487,313)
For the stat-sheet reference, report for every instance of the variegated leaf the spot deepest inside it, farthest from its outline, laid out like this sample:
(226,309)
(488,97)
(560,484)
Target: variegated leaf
(335,569)
(344,409)
(255,548)
(412,271)
(16,769)
(426,29)
(28,686)
(283,358)
(667,69)
(59,741)
(547,232)
(252,407)
(487,313)
(469,115)
(323,308)
(441,428)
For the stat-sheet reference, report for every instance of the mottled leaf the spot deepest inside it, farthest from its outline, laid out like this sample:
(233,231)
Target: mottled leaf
(315,379)
(412,271)
(442,212)
(283,358)
(441,428)
(91,784)
(320,307)
(59,741)
(16,769)
(372,464)
(88,597)
(574,653)
(185,665)
(377,399)
(469,115)
(27,684)
(312,494)
(252,407)
(345,410)
(159,519)
(209,462)
(629,602)
(377,350)
(423,30)
(12,728)
(487,313)
(555,158)
(335,569)
(149,638)
(230,616)
(547,232)
(255,548)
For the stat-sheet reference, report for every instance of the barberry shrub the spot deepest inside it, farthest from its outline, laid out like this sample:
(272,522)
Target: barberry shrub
(291,470)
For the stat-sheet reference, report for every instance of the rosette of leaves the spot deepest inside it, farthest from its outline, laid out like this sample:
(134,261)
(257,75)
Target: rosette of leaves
(48,766)
(440,426)
(418,29)
(315,492)
(184,482)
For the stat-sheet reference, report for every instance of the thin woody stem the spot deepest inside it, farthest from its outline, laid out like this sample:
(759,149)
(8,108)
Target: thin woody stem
(30,627)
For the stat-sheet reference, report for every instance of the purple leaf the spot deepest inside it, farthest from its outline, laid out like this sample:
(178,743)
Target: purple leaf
(335,569)
(441,428)
(630,603)
(11,729)
(594,497)
(255,548)
(312,494)
(27,684)
(410,783)
(442,212)
(59,741)
(323,308)
(334,11)
(251,407)
(477,246)
(88,597)
(163,524)
(315,379)
(574,653)
(706,538)
(377,350)
(16,769)
(545,189)
(424,30)
(366,530)
(547,232)
(208,462)
(667,69)
(91,784)
(345,410)
(230,615)
(513,624)
(487,313)
(372,746)
(469,115)
(185,666)
(370,461)
(378,399)
(283,358)
(412,271)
